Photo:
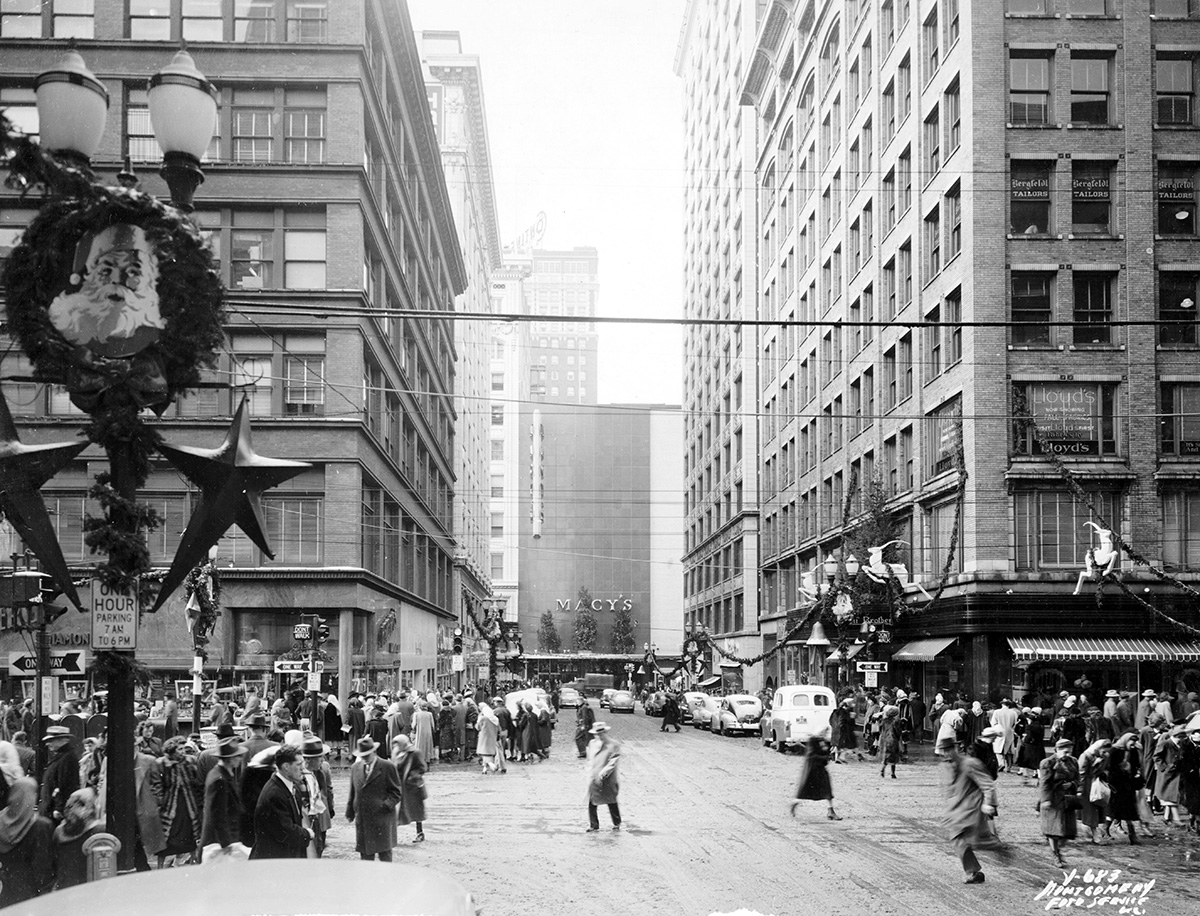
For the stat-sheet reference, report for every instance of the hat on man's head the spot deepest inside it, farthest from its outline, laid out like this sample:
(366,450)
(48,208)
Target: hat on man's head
(1149,694)
(365,747)
(599,727)
(1113,694)
(1064,742)
(313,747)
(1063,693)
(55,732)
(1068,703)
(231,747)
(258,720)
(225,732)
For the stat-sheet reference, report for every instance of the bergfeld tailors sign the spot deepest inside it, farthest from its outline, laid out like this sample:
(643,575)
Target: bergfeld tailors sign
(1030,187)
(1177,189)
(1090,187)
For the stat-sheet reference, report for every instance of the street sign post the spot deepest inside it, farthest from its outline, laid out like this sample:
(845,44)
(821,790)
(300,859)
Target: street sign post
(314,680)
(877,667)
(114,618)
(24,664)
(870,679)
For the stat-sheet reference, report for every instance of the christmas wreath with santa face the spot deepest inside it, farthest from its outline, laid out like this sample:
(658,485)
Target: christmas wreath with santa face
(117,297)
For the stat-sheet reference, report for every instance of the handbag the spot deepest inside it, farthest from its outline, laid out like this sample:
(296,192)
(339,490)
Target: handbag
(1100,794)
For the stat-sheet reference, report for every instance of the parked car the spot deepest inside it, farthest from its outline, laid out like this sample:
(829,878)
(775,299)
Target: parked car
(798,711)
(738,712)
(606,695)
(569,696)
(655,702)
(703,711)
(688,703)
(621,701)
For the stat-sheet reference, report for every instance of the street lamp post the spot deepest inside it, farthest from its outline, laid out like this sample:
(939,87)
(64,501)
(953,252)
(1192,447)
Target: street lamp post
(72,106)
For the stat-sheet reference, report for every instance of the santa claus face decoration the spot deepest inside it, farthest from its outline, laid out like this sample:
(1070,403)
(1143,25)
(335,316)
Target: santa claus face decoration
(111,303)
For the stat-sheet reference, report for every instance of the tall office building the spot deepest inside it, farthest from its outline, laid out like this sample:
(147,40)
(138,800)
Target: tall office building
(721,368)
(1009,189)
(325,203)
(460,122)
(563,366)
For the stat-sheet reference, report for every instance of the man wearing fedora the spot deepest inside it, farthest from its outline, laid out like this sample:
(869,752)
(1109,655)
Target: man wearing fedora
(320,792)
(207,760)
(603,755)
(279,831)
(375,791)
(222,796)
(62,772)
(258,740)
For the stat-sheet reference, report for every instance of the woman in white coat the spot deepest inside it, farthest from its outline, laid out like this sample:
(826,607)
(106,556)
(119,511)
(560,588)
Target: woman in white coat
(487,744)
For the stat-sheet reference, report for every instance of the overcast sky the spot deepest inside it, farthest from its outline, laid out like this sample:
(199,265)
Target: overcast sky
(584,123)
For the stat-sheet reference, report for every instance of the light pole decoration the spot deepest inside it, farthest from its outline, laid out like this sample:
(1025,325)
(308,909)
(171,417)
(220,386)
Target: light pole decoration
(114,295)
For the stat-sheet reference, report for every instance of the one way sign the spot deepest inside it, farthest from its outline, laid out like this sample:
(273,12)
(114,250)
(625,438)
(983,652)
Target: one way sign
(24,664)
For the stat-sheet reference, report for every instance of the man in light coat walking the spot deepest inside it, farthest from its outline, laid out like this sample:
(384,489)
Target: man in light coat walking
(603,755)
(374,793)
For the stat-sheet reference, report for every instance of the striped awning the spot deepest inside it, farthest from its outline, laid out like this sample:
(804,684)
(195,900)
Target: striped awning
(922,650)
(1061,649)
(835,656)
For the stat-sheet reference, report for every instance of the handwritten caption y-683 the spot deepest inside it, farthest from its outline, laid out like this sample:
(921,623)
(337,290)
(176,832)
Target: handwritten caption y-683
(1096,888)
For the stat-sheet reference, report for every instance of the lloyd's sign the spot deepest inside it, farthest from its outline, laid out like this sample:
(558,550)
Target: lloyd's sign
(1068,416)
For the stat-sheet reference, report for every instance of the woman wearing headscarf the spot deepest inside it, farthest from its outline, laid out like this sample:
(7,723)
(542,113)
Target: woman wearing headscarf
(81,820)
(841,728)
(950,727)
(1032,749)
(974,722)
(446,730)
(1124,780)
(1058,797)
(26,850)
(890,733)
(333,723)
(182,794)
(423,728)
(545,727)
(411,768)
(1094,798)
(487,744)
(814,781)
(936,711)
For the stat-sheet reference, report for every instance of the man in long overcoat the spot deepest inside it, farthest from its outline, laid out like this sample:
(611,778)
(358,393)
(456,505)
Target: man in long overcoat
(374,793)
(585,717)
(279,831)
(604,754)
(222,798)
(971,803)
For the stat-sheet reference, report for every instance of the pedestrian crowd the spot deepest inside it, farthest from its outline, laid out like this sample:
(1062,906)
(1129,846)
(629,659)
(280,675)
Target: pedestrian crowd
(1123,764)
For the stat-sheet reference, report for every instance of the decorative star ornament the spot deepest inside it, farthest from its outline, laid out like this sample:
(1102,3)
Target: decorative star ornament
(231,479)
(23,471)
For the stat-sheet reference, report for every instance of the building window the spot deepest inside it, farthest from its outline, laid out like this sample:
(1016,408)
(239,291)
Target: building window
(252,133)
(254,20)
(904,174)
(1072,419)
(139,135)
(497,415)
(497,565)
(307,20)
(1176,198)
(69,18)
(1090,88)
(150,20)
(904,88)
(304,126)
(202,20)
(1170,9)
(1051,530)
(1029,200)
(953,213)
(1088,7)
(1181,419)
(933,344)
(1174,84)
(932,47)
(1029,88)
(952,102)
(303,381)
(1031,302)
(905,263)
(952,316)
(303,249)
(1027,7)
(1181,530)
(1093,308)
(1177,307)
(497,486)
(253,373)
(933,242)
(941,535)
(933,143)
(1091,198)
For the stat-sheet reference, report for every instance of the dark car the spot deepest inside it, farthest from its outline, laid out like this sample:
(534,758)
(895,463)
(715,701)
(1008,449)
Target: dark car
(655,703)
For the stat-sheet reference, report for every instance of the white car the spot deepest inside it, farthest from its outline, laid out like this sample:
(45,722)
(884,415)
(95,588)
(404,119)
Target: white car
(738,712)
(798,712)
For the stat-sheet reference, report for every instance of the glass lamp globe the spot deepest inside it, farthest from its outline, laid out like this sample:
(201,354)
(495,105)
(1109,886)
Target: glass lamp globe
(183,108)
(72,107)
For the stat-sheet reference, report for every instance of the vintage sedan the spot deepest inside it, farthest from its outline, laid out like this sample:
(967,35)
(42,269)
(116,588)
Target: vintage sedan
(688,703)
(738,712)
(606,696)
(703,712)
(798,711)
(621,701)
(569,696)
(655,703)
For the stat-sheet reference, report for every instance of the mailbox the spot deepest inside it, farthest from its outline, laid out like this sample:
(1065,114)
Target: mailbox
(101,850)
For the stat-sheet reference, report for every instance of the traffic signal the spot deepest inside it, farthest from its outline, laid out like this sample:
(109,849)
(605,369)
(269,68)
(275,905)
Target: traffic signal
(46,595)
(458,640)
(301,632)
(322,630)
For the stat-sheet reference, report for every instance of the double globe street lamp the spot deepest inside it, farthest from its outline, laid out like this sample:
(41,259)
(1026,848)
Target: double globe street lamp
(72,109)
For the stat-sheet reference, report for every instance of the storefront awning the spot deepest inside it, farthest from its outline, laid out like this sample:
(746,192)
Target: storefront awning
(835,656)
(710,681)
(1061,649)
(922,650)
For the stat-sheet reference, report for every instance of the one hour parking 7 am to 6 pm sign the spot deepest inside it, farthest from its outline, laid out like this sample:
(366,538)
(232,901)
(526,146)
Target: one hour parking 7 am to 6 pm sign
(114,618)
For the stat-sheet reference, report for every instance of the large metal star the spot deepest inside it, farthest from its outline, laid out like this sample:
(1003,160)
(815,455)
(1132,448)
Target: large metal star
(23,471)
(231,479)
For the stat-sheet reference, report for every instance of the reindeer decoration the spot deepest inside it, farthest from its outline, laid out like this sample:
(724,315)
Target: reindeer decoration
(1098,561)
(879,571)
